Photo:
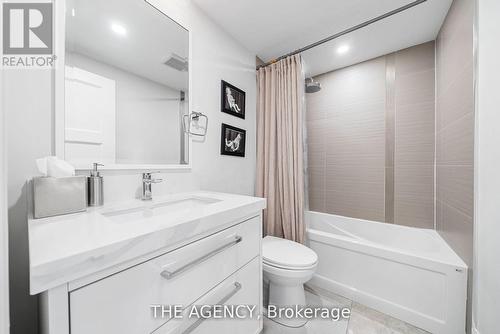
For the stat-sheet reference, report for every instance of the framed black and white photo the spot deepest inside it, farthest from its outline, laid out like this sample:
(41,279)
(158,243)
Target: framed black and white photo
(232,100)
(232,141)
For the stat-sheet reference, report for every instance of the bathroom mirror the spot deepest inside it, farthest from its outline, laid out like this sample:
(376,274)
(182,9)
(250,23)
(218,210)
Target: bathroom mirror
(126,86)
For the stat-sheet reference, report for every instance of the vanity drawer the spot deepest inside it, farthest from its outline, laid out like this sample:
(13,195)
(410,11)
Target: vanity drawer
(241,288)
(122,302)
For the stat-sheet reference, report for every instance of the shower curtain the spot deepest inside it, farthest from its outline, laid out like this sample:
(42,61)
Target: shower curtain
(280,175)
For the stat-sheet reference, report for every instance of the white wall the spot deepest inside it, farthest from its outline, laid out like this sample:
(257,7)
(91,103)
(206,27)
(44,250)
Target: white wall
(147,115)
(4,251)
(217,56)
(4,259)
(486,294)
(29,107)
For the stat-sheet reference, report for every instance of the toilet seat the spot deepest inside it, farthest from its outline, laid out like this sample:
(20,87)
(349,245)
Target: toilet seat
(287,255)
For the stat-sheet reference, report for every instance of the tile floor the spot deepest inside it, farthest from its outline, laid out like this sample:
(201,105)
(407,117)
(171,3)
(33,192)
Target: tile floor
(363,320)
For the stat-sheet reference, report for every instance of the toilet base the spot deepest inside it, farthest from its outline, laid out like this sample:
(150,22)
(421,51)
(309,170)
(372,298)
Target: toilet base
(287,295)
(284,322)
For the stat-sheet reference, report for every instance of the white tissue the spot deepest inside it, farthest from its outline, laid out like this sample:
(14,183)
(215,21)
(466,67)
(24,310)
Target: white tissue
(41,164)
(54,167)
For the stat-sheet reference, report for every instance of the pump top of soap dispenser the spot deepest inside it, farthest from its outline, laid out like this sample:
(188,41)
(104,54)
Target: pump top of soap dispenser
(94,171)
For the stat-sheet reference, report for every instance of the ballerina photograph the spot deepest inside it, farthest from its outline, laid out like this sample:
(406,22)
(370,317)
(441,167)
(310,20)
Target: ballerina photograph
(232,100)
(232,141)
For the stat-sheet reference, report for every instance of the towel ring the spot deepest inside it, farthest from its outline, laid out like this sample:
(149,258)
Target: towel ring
(194,119)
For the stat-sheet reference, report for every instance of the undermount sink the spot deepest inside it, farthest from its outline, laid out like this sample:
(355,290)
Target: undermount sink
(170,208)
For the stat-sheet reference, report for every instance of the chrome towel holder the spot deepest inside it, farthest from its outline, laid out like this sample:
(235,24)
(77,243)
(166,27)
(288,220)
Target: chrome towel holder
(196,124)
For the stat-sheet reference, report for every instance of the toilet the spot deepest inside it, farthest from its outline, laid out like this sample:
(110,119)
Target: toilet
(287,265)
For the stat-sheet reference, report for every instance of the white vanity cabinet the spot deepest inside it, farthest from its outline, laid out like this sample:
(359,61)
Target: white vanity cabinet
(122,302)
(218,266)
(241,288)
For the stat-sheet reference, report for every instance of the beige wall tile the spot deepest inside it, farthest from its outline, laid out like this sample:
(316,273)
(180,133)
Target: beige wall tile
(317,199)
(457,229)
(348,140)
(415,59)
(456,100)
(415,134)
(316,177)
(417,180)
(455,187)
(316,136)
(341,174)
(410,210)
(414,196)
(360,205)
(455,142)
(415,87)
(316,159)
(455,129)
(455,42)
(414,137)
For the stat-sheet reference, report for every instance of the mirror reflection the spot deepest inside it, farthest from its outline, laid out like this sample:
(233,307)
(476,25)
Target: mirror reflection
(126,84)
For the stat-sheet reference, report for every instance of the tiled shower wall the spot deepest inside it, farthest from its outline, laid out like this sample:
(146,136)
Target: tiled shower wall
(414,137)
(455,129)
(371,139)
(346,141)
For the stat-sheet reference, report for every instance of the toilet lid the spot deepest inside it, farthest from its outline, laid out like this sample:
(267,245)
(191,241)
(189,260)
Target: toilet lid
(287,254)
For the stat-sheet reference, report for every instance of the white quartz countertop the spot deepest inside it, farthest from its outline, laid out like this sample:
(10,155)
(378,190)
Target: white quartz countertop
(67,248)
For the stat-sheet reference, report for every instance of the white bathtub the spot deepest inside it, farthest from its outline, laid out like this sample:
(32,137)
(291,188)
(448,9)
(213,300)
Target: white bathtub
(409,273)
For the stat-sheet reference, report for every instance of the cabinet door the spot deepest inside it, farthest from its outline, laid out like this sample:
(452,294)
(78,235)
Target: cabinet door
(122,302)
(241,288)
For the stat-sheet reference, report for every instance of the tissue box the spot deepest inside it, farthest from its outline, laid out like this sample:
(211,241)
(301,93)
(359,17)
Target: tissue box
(58,196)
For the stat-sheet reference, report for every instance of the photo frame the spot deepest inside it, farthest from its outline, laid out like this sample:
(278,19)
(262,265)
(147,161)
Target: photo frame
(232,100)
(232,141)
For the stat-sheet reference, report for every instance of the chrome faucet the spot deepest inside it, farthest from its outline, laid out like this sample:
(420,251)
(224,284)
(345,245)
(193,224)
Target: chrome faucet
(147,180)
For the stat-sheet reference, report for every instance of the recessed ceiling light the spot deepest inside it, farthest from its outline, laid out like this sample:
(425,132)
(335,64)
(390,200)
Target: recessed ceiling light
(118,29)
(343,49)
(73,12)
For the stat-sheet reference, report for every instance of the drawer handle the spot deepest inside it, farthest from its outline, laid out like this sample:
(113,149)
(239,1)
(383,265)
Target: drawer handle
(237,287)
(171,274)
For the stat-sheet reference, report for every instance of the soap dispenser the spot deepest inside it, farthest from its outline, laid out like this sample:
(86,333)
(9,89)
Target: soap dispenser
(95,187)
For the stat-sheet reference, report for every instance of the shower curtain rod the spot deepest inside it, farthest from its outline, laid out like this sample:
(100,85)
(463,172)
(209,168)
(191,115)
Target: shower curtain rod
(347,31)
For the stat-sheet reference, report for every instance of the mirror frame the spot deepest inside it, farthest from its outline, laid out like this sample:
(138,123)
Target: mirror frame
(59,95)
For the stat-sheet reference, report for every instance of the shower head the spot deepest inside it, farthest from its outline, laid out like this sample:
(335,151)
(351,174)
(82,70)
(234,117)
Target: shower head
(312,86)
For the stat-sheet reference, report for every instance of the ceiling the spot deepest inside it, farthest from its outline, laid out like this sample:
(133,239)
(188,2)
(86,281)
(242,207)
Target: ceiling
(149,40)
(273,28)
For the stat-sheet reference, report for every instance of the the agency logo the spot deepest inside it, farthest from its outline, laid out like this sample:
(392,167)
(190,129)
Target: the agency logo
(28,35)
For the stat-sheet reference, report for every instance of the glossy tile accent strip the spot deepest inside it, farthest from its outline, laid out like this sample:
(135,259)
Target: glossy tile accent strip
(390,119)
